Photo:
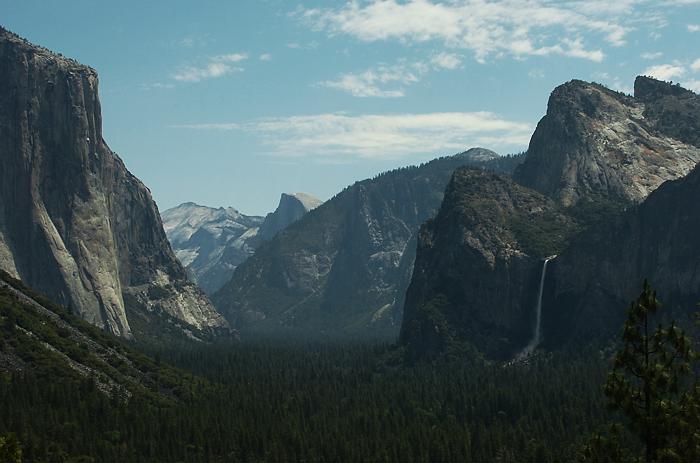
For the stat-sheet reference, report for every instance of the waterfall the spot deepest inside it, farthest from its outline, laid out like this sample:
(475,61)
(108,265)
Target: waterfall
(535,341)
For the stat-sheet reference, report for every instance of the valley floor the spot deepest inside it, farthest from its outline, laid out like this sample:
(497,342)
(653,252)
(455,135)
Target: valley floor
(316,403)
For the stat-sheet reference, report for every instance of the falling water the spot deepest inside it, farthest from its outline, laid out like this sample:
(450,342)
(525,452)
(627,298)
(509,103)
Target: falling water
(535,341)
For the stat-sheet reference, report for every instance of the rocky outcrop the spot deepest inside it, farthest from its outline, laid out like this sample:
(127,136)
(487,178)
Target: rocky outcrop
(291,208)
(211,242)
(597,142)
(671,109)
(477,266)
(344,267)
(74,223)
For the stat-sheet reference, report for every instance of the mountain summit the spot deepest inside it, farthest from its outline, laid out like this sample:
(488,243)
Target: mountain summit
(594,141)
(292,207)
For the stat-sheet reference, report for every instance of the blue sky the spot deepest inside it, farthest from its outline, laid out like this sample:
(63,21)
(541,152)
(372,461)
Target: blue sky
(230,103)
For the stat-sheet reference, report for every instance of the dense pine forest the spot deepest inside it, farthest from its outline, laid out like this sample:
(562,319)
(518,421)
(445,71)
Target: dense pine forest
(75,394)
(315,403)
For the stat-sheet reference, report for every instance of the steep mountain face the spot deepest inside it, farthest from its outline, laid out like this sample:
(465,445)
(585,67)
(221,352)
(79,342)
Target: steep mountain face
(592,282)
(344,267)
(210,242)
(477,266)
(74,223)
(291,208)
(597,142)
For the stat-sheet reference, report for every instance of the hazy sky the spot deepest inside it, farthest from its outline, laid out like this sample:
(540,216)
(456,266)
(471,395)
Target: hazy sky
(232,102)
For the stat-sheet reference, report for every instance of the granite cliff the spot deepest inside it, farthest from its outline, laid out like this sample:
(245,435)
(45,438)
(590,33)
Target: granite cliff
(595,142)
(74,223)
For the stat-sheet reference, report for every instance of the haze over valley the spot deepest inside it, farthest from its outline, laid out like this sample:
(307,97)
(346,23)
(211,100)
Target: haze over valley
(378,230)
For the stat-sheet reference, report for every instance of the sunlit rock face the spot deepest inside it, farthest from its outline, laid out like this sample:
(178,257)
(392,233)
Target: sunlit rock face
(74,222)
(595,141)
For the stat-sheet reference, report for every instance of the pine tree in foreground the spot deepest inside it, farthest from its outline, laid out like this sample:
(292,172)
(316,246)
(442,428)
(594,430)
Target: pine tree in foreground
(650,385)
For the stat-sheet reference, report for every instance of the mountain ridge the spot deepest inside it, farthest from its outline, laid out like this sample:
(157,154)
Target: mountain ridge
(343,267)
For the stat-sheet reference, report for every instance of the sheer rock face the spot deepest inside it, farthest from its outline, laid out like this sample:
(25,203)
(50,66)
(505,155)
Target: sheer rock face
(594,141)
(74,223)
(344,267)
(211,242)
(476,271)
(591,284)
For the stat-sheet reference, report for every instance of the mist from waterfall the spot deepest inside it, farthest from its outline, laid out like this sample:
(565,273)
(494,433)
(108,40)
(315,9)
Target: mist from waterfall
(537,336)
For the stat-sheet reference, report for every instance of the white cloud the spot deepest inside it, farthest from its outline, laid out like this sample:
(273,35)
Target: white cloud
(665,71)
(695,65)
(389,81)
(217,66)
(488,29)
(446,60)
(265,57)
(693,27)
(652,55)
(693,85)
(156,85)
(373,82)
(382,136)
(231,58)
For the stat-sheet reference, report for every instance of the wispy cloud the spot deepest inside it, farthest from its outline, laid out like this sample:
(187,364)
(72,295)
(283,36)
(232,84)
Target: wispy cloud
(265,57)
(390,81)
(446,60)
(382,136)
(373,82)
(693,27)
(156,85)
(652,55)
(192,41)
(302,46)
(695,65)
(488,29)
(665,71)
(217,66)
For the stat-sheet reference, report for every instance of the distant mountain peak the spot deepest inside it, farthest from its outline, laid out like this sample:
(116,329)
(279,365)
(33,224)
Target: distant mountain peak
(478,154)
(291,207)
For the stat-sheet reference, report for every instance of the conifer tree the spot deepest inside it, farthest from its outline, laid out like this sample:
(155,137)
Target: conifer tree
(649,384)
